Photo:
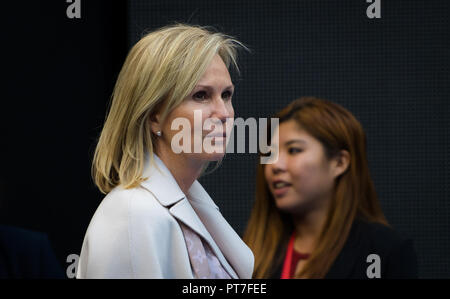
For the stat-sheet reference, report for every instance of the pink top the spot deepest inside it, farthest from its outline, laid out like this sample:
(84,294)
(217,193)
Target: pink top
(204,262)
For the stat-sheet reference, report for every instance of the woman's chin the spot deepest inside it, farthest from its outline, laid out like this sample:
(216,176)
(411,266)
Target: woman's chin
(206,157)
(215,153)
(289,206)
(214,157)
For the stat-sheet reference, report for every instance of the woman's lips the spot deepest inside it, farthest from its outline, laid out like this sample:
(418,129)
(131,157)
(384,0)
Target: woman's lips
(281,191)
(223,135)
(217,138)
(280,188)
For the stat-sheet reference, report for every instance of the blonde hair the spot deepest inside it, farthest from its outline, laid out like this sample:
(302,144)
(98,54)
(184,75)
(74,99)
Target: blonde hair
(158,73)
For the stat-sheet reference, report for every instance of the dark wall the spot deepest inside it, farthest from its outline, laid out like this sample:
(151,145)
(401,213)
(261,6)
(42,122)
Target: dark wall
(392,73)
(59,76)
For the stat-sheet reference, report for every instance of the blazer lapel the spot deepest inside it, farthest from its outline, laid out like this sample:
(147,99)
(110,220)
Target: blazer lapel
(184,212)
(345,263)
(230,243)
(163,186)
(160,182)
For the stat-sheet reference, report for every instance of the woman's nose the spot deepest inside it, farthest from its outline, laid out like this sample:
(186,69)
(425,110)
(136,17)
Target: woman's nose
(277,170)
(222,109)
(279,165)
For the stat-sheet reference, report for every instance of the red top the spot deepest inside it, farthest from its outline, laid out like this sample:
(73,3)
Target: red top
(291,260)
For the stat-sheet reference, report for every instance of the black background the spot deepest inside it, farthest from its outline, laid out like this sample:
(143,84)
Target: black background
(392,73)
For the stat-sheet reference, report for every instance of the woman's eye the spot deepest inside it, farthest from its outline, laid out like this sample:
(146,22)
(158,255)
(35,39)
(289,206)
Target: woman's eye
(294,150)
(200,96)
(227,95)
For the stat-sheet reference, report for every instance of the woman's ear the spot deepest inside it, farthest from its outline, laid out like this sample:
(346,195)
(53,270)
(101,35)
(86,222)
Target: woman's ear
(341,163)
(155,124)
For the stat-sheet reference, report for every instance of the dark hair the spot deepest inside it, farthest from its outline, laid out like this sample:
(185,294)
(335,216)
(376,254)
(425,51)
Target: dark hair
(354,192)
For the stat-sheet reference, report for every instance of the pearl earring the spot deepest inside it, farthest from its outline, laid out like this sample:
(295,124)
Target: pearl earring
(159,133)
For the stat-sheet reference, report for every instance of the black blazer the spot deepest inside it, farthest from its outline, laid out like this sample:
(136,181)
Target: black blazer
(27,254)
(397,255)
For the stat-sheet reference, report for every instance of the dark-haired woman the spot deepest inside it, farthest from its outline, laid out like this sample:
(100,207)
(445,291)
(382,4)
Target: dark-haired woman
(316,212)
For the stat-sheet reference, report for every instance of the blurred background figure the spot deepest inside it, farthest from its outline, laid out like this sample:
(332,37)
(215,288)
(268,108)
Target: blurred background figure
(27,254)
(24,253)
(316,212)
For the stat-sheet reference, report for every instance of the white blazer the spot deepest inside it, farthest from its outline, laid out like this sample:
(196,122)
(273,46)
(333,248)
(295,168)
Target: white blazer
(134,233)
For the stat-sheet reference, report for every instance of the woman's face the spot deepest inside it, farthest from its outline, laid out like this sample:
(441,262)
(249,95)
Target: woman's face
(211,99)
(302,178)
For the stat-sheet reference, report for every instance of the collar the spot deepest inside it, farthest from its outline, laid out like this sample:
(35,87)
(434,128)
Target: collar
(191,210)
(161,183)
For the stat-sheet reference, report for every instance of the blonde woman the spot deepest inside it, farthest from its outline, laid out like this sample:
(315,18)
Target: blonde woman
(156,220)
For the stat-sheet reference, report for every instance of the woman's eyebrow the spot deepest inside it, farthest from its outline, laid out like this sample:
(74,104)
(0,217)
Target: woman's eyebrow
(295,141)
(212,87)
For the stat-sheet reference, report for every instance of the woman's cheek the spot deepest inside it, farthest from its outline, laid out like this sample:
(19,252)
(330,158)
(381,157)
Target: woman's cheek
(305,175)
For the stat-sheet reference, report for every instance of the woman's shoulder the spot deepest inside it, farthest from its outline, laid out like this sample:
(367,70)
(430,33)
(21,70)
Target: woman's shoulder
(375,250)
(395,250)
(379,234)
(135,205)
(136,197)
